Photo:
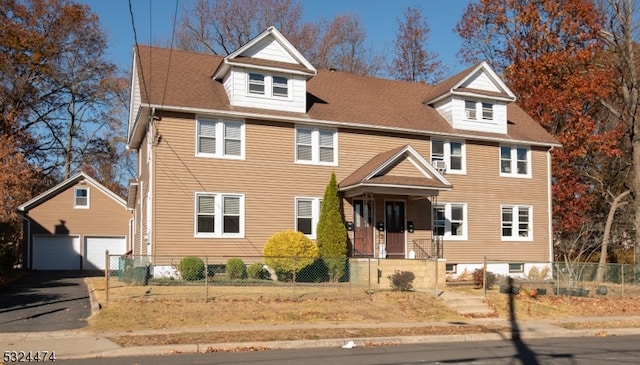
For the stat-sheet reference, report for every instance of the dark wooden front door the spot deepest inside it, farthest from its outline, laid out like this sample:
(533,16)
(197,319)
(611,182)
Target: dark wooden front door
(394,220)
(362,229)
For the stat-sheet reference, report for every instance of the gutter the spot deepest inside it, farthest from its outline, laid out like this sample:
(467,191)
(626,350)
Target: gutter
(335,124)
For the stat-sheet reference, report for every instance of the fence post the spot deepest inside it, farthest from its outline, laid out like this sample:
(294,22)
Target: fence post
(106,275)
(623,279)
(484,276)
(294,277)
(206,279)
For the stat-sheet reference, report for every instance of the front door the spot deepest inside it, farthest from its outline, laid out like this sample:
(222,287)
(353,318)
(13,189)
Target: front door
(362,229)
(394,220)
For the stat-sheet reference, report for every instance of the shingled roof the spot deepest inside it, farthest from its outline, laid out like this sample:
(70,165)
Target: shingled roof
(180,80)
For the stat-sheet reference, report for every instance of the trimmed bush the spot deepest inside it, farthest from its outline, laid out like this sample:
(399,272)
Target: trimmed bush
(257,271)
(402,280)
(191,268)
(236,269)
(288,252)
(478,278)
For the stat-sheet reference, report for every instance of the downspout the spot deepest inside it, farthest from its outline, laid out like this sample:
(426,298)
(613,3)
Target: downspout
(550,205)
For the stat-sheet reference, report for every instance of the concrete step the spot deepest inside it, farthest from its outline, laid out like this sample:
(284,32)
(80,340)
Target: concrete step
(466,304)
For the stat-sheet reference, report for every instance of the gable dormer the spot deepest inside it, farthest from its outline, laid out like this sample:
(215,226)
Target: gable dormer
(474,100)
(268,73)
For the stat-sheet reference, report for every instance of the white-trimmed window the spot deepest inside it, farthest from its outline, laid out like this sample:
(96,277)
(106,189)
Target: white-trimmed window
(487,111)
(220,138)
(450,220)
(516,267)
(307,215)
(81,197)
(515,161)
(316,146)
(474,110)
(219,215)
(470,110)
(516,222)
(451,153)
(256,83)
(280,86)
(267,85)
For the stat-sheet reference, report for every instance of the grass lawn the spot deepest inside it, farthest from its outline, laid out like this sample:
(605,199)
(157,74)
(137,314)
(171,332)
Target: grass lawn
(179,307)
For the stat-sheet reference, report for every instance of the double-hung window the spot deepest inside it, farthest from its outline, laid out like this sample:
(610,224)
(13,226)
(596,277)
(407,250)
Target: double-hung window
(470,110)
(316,146)
(516,223)
(219,215)
(280,86)
(450,221)
(81,197)
(450,153)
(474,110)
(487,111)
(220,138)
(515,161)
(256,83)
(307,215)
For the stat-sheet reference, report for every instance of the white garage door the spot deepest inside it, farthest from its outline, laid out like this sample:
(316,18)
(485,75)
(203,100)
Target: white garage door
(56,253)
(95,247)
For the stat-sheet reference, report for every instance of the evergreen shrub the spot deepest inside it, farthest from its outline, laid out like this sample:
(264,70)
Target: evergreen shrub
(288,252)
(236,269)
(191,268)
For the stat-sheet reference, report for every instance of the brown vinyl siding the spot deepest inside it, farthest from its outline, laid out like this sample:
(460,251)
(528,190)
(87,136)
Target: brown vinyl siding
(104,217)
(270,181)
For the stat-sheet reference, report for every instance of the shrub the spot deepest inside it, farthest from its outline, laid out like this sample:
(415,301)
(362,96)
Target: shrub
(257,271)
(288,252)
(7,258)
(236,269)
(191,268)
(478,278)
(332,234)
(402,280)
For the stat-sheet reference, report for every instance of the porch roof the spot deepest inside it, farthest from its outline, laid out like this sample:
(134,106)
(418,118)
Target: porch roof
(377,176)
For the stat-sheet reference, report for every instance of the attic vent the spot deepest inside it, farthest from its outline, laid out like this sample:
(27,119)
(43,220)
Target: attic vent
(439,165)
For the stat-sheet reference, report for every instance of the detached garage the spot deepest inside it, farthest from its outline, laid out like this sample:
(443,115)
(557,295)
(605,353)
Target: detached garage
(70,226)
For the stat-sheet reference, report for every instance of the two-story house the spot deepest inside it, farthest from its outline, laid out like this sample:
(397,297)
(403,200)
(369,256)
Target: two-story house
(234,149)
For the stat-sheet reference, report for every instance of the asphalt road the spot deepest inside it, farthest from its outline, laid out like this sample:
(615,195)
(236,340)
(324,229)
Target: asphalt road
(45,301)
(556,351)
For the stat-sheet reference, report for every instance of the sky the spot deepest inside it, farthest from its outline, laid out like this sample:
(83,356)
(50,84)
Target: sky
(153,21)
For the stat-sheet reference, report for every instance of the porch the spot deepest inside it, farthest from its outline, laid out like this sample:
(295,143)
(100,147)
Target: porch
(374,274)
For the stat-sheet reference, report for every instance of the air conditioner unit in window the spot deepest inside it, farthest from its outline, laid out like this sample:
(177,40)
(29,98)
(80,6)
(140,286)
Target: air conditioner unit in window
(439,165)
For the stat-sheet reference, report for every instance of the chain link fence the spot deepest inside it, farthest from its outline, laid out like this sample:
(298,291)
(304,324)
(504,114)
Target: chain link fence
(205,277)
(582,279)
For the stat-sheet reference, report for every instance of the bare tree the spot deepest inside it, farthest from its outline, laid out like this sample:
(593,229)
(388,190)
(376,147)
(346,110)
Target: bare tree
(621,35)
(222,26)
(412,62)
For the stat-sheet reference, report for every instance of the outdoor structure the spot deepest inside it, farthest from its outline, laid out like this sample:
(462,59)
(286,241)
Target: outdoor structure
(234,149)
(70,226)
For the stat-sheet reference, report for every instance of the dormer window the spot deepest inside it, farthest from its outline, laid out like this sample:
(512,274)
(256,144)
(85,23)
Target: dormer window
(470,109)
(487,111)
(280,86)
(256,83)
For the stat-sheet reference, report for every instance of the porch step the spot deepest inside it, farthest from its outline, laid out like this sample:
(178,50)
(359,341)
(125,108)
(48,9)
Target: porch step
(466,304)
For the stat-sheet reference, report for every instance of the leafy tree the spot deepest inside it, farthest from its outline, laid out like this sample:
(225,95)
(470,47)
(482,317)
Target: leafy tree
(551,56)
(331,232)
(412,62)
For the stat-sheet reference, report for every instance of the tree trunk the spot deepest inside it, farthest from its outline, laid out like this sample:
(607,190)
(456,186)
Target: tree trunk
(607,231)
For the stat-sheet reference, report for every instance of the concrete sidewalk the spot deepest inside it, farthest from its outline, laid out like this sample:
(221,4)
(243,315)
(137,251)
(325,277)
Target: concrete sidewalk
(77,344)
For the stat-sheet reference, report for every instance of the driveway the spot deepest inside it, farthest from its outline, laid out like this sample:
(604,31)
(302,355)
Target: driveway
(45,301)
